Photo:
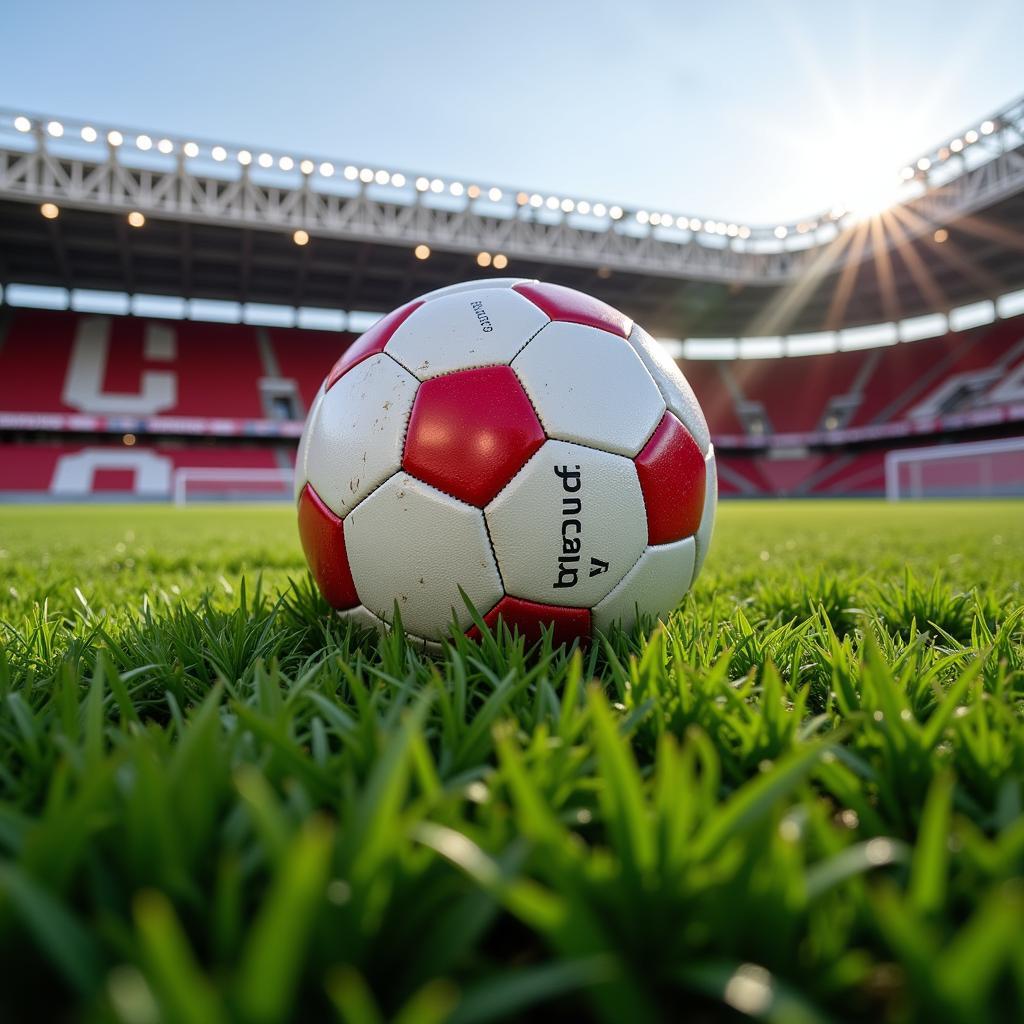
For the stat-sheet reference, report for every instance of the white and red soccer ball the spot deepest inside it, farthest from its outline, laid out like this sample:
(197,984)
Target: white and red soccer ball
(521,441)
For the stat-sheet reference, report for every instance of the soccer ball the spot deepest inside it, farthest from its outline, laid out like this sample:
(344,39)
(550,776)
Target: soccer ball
(518,440)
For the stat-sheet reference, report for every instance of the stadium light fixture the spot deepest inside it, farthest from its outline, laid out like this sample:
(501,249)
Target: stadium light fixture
(494,194)
(971,137)
(51,211)
(366,175)
(568,206)
(781,231)
(536,201)
(615,213)
(382,177)
(89,134)
(351,173)
(114,138)
(744,231)
(483,259)
(143,142)
(244,157)
(22,124)
(219,153)
(300,236)
(165,146)
(307,167)
(522,199)
(265,160)
(55,128)
(437,186)
(422,184)
(988,127)
(398,180)
(128,440)
(941,235)
(286,163)
(500,261)
(600,209)
(957,145)
(924,164)
(422,252)
(326,169)
(190,149)
(136,219)
(551,202)
(456,188)
(583,207)
(695,224)
(642,217)
(473,191)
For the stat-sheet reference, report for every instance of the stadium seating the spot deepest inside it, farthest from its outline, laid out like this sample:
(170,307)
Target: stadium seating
(68,362)
(306,357)
(795,392)
(142,471)
(225,376)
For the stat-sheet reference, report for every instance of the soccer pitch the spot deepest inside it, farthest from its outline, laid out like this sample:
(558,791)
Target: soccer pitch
(800,801)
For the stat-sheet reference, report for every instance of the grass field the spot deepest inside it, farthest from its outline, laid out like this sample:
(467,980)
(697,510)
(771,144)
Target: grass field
(801,800)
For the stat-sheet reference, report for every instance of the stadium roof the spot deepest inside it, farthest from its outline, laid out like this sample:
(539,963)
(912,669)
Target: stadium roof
(244,224)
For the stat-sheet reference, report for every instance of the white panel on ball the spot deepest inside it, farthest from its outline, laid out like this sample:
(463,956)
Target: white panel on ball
(302,455)
(472,286)
(654,586)
(591,387)
(412,544)
(569,526)
(675,388)
(707,519)
(479,327)
(356,439)
(364,617)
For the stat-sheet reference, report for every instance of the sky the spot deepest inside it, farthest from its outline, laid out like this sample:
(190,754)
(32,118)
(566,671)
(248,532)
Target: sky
(737,110)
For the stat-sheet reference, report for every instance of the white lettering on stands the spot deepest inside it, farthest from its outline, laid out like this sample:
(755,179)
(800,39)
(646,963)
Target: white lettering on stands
(83,384)
(74,474)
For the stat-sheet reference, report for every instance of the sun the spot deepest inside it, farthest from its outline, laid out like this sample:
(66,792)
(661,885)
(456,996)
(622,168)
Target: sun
(860,155)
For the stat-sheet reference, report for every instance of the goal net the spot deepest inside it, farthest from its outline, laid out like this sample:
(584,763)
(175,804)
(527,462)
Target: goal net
(972,469)
(207,484)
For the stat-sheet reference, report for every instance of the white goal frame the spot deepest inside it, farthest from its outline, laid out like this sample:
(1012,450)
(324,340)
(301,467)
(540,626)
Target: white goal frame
(183,477)
(916,457)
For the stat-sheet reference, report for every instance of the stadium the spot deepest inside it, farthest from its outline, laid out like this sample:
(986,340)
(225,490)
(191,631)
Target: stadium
(150,252)
(798,797)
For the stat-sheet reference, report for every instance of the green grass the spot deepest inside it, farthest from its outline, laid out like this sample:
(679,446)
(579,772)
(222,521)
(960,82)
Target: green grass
(801,800)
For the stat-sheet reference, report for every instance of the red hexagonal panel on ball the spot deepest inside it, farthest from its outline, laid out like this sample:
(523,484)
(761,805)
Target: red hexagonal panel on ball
(323,540)
(531,618)
(571,306)
(470,432)
(673,478)
(370,342)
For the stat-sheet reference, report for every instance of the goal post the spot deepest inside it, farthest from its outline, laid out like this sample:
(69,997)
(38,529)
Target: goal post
(970,469)
(209,484)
